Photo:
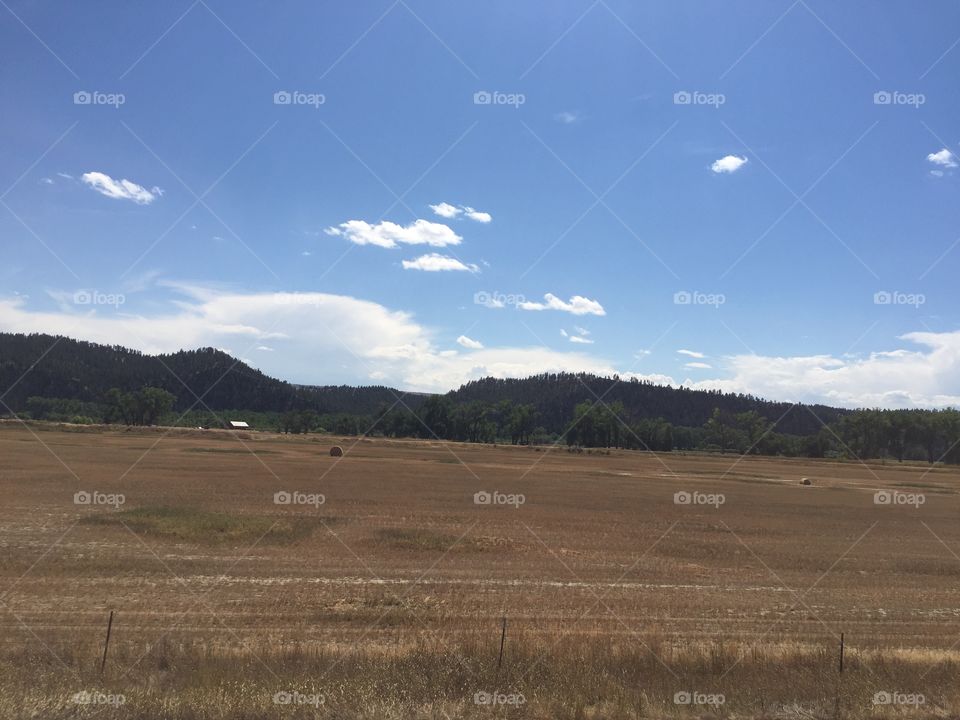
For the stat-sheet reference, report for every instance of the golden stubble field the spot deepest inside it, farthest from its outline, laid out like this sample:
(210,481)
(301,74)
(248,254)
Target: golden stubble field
(386,598)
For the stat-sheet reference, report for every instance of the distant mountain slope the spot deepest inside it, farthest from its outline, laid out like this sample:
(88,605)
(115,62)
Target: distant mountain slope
(85,371)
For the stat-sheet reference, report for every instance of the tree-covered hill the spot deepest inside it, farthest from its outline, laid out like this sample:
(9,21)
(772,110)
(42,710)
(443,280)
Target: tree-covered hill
(557,395)
(47,367)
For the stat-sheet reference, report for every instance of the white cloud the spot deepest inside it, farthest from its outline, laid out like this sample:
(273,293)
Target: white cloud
(577,305)
(46,181)
(699,366)
(435,262)
(446,210)
(65,176)
(264,348)
(386,234)
(943,158)
(566,117)
(480,217)
(691,353)
(469,343)
(581,337)
(121,189)
(902,378)
(728,164)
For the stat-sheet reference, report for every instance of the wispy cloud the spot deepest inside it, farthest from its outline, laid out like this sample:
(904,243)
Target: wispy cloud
(691,353)
(566,117)
(469,343)
(579,336)
(699,366)
(435,262)
(121,189)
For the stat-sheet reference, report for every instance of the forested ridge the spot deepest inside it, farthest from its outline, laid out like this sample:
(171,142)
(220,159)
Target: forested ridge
(52,378)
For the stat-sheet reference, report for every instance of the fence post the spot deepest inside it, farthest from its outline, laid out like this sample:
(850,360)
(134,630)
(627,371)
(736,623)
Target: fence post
(503,637)
(103,662)
(841,653)
(836,708)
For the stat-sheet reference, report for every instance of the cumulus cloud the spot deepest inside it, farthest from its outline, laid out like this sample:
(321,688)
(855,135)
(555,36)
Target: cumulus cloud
(691,353)
(577,305)
(943,158)
(446,210)
(435,262)
(387,234)
(120,189)
(900,378)
(728,164)
(469,343)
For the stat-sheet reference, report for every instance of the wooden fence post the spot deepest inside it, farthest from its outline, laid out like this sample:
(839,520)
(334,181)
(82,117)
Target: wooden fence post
(103,662)
(503,637)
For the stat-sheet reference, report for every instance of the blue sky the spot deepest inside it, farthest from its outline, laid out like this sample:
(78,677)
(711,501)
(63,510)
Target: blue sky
(769,188)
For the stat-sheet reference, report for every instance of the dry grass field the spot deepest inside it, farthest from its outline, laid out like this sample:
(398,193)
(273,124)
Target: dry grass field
(385,599)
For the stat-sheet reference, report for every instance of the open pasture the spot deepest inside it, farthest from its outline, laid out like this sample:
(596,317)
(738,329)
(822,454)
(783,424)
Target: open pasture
(373,585)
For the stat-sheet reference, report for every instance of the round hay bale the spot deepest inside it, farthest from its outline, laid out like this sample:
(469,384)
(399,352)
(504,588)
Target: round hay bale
(336,451)
(805,481)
